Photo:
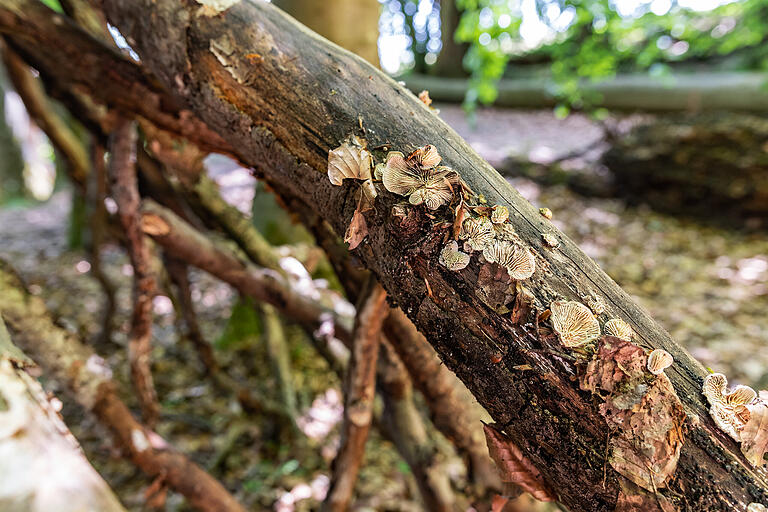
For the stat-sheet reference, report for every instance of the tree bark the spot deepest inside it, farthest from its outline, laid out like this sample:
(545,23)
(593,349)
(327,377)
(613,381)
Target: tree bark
(125,190)
(283,97)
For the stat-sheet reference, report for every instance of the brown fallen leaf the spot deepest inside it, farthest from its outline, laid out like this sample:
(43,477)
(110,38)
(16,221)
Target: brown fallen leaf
(357,230)
(350,160)
(634,499)
(513,466)
(754,435)
(643,411)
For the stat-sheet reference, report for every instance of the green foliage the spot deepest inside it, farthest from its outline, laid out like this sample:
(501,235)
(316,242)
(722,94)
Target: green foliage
(243,328)
(599,42)
(54,4)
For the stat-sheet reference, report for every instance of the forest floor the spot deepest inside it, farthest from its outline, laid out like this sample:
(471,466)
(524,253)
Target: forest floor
(707,286)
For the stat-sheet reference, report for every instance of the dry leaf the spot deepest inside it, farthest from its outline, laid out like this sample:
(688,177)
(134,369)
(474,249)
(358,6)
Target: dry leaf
(633,499)
(645,414)
(754,435)
(350,160)
(513,466)
(494,287)
(357,230)
(154,225)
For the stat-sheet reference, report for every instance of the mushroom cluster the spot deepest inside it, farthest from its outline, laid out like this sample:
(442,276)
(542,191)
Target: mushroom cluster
(728,408)
(419,177)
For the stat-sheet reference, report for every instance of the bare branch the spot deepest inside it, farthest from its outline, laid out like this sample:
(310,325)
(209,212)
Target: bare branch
(359,390)
(122,171)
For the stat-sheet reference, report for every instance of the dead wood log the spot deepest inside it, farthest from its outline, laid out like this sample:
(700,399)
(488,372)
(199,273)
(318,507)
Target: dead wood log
(283,97)
(359,392)
(88,379)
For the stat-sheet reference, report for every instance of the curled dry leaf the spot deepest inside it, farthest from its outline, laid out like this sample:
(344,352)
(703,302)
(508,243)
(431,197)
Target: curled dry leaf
(513,466)
(574,323)
(357,230)
(495,288)
(754,435)
(350,160)
(647,417)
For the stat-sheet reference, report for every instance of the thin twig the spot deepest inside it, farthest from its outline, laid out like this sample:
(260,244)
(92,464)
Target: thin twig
(359,387)
(122,171)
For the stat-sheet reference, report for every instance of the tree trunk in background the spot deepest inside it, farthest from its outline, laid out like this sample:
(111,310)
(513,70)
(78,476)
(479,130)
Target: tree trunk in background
(695,165)
(450,60)
(11,163)
(351,24)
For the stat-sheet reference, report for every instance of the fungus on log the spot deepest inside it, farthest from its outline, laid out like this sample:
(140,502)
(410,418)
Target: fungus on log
(284,98)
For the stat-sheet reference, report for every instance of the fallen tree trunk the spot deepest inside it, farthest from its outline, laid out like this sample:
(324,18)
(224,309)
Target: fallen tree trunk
(680,92)
(284,98)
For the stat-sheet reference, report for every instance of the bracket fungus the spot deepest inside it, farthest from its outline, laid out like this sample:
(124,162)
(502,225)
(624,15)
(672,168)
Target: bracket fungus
(477,233)
(499,214)
(452,258)
(419,177)
(619,328)
(741,413)
(546,213)
(574,323)
(518,260)
(659,360)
